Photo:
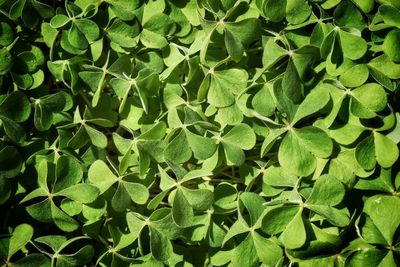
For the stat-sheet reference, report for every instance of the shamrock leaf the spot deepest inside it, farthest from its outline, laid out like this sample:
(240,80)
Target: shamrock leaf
(186,200)
(220,87)
(237,34)
(95,77)
(7,42)
(125,10)
(276,179)
(47,106)
(12,162)
(328,192)
(342,43)
(323,241)
(254,247)
(231,145)
(374,231)
(85,132)
(360,252)
(381,181)
(26,69)
(128,188)
(188,135)
(389,14)
(123,34)
(390,45)
(209,228)
(59,180)
(311,142)
(82,31)
(155,30)
(382,216)
(376,148)
(298,63)
(342,167)
(144,86)
(146,146)
(289,218)
(161,230)
(59,254)
(365,101)
(199,133)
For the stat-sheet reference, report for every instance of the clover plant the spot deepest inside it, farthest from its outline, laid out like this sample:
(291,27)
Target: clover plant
(199,133)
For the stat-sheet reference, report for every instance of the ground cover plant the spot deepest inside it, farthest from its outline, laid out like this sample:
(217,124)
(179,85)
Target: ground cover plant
(199,133)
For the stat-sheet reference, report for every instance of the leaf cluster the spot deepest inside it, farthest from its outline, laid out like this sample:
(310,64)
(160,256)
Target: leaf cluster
(199,133)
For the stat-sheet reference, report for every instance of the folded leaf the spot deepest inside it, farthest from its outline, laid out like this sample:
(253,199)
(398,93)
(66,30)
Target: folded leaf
(294,235)
(182,212)
(83,193)
(386,150)
(327,191)
(20,237)
(101,176)
(385,217)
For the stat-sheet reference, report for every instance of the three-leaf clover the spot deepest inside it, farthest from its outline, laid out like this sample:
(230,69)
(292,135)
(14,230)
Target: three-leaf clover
(310,142)
(289,218)
(48,106)
(161,229)
(128,188)
(59,180)
(59,255)
(86,133)
(254,247)
(186,200)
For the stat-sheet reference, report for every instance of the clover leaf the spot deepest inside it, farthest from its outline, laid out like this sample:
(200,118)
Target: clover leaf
(187,134)
(144,86)
(254,247)
(237,34)
(230,146)
(289,218)
(160,245)
(58,245)
(375,231)
(376,148)
(59,180)
(46,106)
(85,132)
(186,200)
(295,11)
(14,109)
(127,190)
(145,146)
(310,141)
(20,237)
(220,88)
(199,133)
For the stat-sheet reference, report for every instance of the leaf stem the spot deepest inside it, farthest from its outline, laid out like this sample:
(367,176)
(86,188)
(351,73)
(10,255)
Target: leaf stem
(10,46)
(220,63)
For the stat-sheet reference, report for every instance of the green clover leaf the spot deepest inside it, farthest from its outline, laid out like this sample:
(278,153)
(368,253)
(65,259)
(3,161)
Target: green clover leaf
(59,180)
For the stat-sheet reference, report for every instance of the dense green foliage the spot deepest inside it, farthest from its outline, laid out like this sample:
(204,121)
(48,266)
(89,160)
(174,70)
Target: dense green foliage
(199,133)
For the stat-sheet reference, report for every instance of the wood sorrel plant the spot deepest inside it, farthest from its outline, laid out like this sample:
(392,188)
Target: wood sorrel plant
(199,133)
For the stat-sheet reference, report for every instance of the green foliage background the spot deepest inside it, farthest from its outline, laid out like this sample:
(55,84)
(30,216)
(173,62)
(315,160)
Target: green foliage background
(199,133)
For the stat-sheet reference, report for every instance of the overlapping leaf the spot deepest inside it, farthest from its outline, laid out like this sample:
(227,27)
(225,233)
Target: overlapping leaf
(193,133)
